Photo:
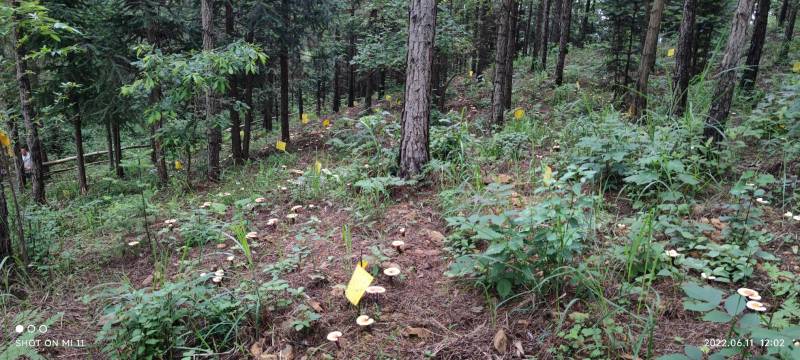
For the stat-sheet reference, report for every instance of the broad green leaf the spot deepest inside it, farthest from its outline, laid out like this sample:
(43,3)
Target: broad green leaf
(735,304)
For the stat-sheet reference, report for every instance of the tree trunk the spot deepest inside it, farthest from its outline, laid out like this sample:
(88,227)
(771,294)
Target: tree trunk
(6,250)
(546,32)
(723,93)
(214,131)
(483,42)
(337,92)
(555,31)
(248,100)
(300,110)
(116,139)
(503,14)
(527,31)
(414,151)
(27,111)
(566,19)
(683,58)
(351,67)
(110,145)
(16,149)
(782,14)
(648,60)
(756,45)
(269,92)
(284,60)
(788,32)
(509,63)
(585,23)
(537,36)
(233,94)
(81,164)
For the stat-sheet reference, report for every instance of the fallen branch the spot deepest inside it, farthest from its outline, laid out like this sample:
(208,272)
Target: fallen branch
(87,155)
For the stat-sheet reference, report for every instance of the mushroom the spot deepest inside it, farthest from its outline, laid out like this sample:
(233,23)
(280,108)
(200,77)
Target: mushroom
(205,205)
(284,188)
(251,235)
(749,293)
(333,337)
(230,258)
(227,194)
(296,208)
(219,273)
(788,214)
(391,272)
(133,243)
(260,200)
(762,201)
(170,222)
(398,245)
(756,306)
(364,321)
(221,246)
(402,231)
(672,253)
(217,279)
(375,291)
(272,222)
(292,217)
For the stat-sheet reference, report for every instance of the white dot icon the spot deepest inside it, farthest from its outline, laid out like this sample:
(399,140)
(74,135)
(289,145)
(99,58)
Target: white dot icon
(19,329)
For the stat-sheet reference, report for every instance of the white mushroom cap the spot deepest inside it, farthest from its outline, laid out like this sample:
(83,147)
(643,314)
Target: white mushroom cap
(252,235)
(221,246)
(749,293)
(219,272)
(260,200)
(364,320)
(133,243)
(398,243)
(203,274)
(334,335)
(756,306)
(291,216)
(230,258)
(672,253)
(392,271)
(170,221)
(376,289)
(217,279)
(296,208)
(205,205)
(272,222)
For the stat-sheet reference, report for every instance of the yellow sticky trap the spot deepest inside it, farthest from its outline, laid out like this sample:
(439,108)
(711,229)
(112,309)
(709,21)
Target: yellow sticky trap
(519,113)
(671,52)
(471,73)
(547,175)
(358,285)
(280,145)
(326,123)
(6,142)
(178,165)
(796,67)
(388,98)
(317,167)
(304,118)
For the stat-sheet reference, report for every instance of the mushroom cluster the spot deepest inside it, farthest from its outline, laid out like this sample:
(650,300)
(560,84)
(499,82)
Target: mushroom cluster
(794,217)
(754,298)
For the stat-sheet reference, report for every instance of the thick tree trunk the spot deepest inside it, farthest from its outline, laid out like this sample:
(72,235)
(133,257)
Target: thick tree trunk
(555,24)
(28,113)
(116,139)
(683,58)
(723,93)
(351,67)
(81,163)
(248,100)
(648,60)
(756,45)
(503,15)
(414,151)
(537,36)
(566,19)
(284,60)
(546,32)
(213,130)
(233,94)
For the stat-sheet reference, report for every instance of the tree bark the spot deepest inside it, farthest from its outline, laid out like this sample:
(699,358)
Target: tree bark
(110,145)
(337,91)
(503,14)
(233,94)
(526,39)
(546,32)
(756,45)
(27,111)
(351,67)
(788,32)
(555,31)
(648,60)
(483,42)
(723,93)
(284,60)
(81,164)
(414,151)
(269,92)
(248,100)
(566,19)
(537,36)
(6,249)
(116,140)
(585,23)
(509,61)
(782,14)
(683,58)
(213,131)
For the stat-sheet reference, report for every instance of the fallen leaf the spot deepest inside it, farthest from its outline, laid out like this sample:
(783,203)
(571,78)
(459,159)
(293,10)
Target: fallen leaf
(421,333)
(500,341)
(315,305)
(503,179)
(435,236)
(287,353)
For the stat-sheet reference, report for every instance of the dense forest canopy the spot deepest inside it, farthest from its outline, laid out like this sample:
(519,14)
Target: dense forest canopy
(455,179)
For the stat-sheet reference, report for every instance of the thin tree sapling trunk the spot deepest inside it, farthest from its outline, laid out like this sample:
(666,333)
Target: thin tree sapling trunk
(503,13)
(638,104)
(566,19)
